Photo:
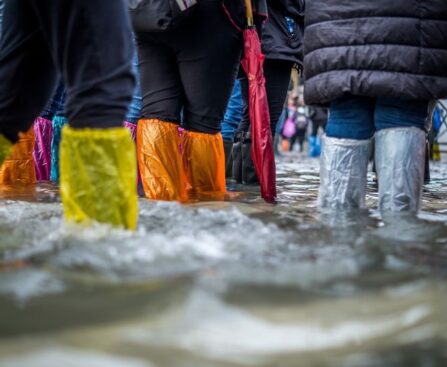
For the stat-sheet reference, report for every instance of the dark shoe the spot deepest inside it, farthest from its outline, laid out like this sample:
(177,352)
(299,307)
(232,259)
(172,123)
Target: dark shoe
(249,176)
(228,147)
(236,155)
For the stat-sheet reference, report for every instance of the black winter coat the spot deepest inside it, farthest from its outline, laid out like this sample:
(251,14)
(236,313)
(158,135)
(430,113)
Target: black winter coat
(278,43)
(376,48)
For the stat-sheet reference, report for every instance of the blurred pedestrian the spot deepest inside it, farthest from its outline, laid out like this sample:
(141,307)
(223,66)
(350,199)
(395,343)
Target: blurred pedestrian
(318,116)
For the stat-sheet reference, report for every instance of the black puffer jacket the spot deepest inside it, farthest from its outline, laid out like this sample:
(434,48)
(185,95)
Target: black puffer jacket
(376,48)
(278,41)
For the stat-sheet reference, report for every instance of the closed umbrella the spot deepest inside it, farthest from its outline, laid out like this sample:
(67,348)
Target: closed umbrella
(262,141)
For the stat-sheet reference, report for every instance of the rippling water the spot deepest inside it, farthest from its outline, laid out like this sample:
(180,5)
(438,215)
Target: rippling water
(226,284)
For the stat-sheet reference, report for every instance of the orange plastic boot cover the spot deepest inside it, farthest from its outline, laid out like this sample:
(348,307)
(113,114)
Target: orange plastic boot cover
(160,161)
(18,168)
(204,160)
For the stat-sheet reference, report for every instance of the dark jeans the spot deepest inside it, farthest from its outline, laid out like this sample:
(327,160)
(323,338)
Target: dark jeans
(56,105)
(190,71)
(88,42)
(359,118)
(277,80)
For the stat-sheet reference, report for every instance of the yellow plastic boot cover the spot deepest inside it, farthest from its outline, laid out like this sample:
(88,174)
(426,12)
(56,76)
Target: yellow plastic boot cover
(5,149)
(97,176)
(18,167)
(160,161)
(204,160)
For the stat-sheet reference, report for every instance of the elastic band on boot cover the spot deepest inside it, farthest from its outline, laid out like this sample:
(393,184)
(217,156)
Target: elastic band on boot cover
(5,148)
(204,161)
(98,175)
(43,130)
(160,161)
(400,162)
(343,173)
(18,167)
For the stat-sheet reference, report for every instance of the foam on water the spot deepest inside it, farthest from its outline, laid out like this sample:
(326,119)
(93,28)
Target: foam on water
(68,357)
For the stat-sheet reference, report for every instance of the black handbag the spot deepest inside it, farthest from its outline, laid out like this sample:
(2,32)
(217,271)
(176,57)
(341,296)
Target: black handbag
(159,15)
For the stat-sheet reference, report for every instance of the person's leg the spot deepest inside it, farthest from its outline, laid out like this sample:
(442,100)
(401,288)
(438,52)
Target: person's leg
(400,153)
(277,76)
(230,123)
(344,159)
(240,134)
(277,79)
(208,64)
(43,130)
(27,79)
(27,71)
(135,108)
(292,142)
(158,140)
(301,137)
(91,43)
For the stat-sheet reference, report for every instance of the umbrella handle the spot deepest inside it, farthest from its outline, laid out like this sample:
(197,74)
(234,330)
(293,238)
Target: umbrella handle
(249,12)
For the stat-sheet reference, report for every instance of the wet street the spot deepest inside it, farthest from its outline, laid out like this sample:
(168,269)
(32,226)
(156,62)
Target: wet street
(226,284)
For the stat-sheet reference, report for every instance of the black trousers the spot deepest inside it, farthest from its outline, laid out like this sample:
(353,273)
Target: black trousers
(88,42)
(277,79)
(187,74)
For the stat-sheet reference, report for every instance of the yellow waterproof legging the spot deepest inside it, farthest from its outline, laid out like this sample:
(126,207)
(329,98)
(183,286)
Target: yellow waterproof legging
(98,176)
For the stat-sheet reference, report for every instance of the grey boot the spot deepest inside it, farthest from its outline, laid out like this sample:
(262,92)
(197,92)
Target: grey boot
(343,173)
(400,162)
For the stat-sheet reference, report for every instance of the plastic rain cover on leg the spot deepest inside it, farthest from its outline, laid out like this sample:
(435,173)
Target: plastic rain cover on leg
(43,130)
(160,161)
(400,161)
(204,161)
(133,132)
(58,123)
(132,128)
(98,175)
(343,173)
(18,168)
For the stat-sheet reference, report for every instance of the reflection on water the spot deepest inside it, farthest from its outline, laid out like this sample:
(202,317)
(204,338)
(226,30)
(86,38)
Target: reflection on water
(234,283)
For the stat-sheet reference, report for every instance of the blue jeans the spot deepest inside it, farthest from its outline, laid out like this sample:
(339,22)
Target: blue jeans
(233,115)
(134,113)
(359,118)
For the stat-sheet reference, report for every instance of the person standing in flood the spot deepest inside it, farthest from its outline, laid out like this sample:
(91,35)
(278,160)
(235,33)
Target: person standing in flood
(187,75)
(377,64)
(282,37)
(89,43)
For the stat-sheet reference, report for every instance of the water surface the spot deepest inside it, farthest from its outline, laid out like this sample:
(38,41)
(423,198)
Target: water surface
(225,284)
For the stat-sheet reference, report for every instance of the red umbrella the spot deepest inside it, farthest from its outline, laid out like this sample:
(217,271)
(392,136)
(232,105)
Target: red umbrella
(261,135)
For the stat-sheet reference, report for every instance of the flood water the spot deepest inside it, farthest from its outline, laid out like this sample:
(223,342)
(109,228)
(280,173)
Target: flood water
(226,284)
